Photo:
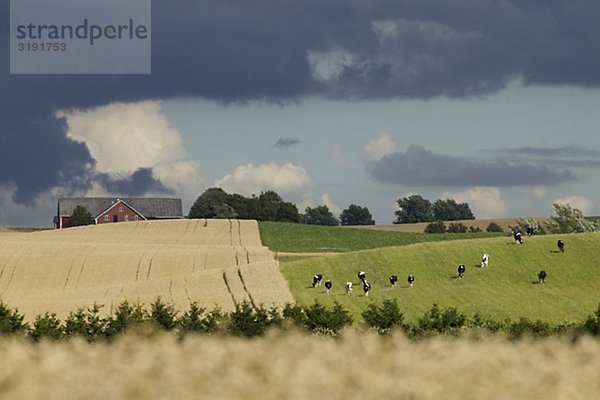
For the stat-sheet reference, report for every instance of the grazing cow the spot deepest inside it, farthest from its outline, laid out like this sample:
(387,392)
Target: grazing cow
(542,276)
(411,280)
(530,231)
(366,287)
(348,288)
(518,238)
(362,276)
(484,260)
(393,279)
(317,280)
(461,271)
(328,285)
(561,245)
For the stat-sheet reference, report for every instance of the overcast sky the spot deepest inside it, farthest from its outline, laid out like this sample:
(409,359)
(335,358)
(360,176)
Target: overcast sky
(490,102)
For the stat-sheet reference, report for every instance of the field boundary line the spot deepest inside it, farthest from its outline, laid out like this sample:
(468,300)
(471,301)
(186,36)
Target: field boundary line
(228,288)
(239,271)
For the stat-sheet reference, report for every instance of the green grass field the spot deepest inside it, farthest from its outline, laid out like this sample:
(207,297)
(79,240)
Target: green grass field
(300,238)
(507,288)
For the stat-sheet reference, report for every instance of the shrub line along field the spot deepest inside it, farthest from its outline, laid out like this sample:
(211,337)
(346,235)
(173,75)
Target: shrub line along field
(508,288)
(482,224)
(216,263)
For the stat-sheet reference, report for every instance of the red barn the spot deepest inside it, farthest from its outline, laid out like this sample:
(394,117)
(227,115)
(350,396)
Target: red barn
(110,209)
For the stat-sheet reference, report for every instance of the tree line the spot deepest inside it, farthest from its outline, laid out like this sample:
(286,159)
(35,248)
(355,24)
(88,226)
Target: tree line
(415,209)
(269,206)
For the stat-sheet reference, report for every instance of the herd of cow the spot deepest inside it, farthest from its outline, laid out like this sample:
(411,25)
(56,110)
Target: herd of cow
(411,278)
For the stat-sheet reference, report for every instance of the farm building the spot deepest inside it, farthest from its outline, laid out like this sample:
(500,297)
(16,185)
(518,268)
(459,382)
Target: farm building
(111,209)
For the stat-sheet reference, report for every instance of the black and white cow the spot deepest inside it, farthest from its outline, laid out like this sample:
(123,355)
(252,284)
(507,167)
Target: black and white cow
(485,260)
(530,231)
(542,276)
(411,280)
(518,238)
(561,245)
(393,280)
(362,276)
(348,288)
(317,280)
(461,271)
(366,287)
(328,285)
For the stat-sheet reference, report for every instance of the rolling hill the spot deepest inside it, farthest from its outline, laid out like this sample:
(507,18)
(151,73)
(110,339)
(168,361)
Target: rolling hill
(508,288)
(216,263)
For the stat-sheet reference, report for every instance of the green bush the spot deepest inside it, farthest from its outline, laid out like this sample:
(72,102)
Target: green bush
(126,317)
(435,227)
(193,320)
(384,317)
(46,326)
(474,229)
(591,324)
(456,227)
(249,322)
(524,327)
(86,323)
(11,321)
(494,227)
(318,319)
(490,325)
(442,321)
(163,315)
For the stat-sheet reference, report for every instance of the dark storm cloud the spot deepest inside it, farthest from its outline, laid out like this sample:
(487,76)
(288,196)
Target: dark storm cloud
(139,183)
(565,156)
(283,143)
(421,167)
(284,49)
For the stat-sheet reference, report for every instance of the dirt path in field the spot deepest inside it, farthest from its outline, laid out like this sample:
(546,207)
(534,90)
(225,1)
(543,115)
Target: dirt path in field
(210,262)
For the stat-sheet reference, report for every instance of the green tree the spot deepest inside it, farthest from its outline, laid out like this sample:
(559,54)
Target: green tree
(450,210)
(356,215)
(268,206)
(319,216)
(271,207)
(209,203)
(413,209)
(81,216)
(567,219)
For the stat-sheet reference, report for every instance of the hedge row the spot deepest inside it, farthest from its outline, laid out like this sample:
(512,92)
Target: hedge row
(247,321)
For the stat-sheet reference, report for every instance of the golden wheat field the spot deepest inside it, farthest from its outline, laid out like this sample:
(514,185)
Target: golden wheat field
(211,262)
(294,366)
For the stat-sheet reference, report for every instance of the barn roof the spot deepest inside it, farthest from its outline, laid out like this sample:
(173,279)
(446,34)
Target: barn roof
(148,207)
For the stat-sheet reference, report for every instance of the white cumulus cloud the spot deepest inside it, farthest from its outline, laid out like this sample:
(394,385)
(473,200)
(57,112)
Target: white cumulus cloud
(484,201)
(123,137)
(290,181)
(581,202)
(380,147)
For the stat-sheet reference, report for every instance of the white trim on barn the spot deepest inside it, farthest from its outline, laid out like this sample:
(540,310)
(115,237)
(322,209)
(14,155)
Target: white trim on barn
(113,205)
